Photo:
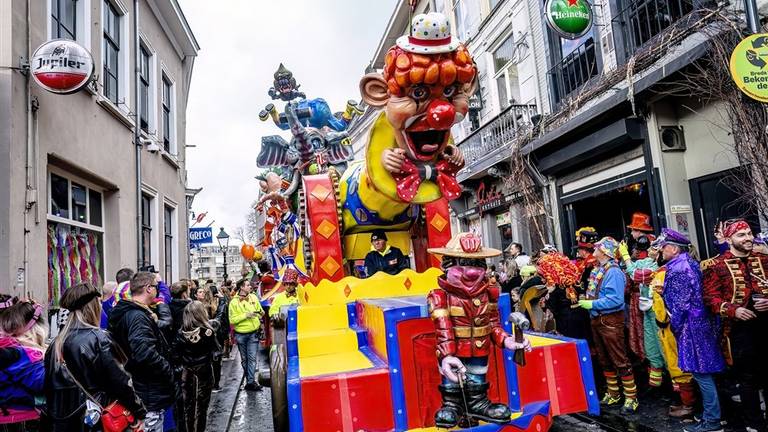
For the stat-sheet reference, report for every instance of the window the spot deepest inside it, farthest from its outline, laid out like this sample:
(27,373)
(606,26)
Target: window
(144,89)
(146,229)
(70,201)
(111,52)
(64,19)
(467,18)
(167,125)
(168,243)
(505,59)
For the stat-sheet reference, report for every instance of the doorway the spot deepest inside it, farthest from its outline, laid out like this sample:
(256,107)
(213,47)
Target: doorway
(715,198)
(608,212)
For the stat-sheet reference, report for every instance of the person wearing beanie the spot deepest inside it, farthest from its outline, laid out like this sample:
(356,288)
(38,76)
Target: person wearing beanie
(605,303)
(694,327)
(383,257)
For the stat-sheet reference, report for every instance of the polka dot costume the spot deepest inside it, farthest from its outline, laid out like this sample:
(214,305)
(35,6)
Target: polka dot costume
(430,34)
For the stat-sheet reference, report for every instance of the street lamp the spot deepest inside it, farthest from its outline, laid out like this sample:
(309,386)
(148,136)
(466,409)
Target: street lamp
(223,239)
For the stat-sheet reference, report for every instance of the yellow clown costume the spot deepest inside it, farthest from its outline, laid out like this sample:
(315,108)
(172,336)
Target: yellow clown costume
(682,381)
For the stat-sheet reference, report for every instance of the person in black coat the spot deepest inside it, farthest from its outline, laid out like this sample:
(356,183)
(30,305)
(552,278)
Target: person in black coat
(134,327)
(83,353)
(382,257)
(195,345)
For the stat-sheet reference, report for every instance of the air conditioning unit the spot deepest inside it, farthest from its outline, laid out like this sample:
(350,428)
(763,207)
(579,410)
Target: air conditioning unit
(672,138)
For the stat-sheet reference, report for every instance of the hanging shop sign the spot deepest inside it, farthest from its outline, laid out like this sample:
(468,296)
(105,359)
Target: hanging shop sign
(200,236)
(488,198)
(749,66)
(475,102)
(503,219)
(571,19)
(61,66)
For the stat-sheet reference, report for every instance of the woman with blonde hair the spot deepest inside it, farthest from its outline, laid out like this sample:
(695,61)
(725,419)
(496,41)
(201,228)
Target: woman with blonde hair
(82,364)
(22,346)
(195,345)
(205,296)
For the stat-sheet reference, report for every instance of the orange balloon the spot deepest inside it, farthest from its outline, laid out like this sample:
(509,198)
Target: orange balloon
(247,251)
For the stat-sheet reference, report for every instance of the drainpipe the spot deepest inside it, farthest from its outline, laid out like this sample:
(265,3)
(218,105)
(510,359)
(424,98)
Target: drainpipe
(21,277)
(137,130)
(753,19)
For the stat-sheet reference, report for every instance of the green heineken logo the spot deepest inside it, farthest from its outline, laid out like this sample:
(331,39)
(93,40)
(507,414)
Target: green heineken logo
(571,19)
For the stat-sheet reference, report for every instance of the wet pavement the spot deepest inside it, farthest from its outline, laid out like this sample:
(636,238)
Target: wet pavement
(233,408)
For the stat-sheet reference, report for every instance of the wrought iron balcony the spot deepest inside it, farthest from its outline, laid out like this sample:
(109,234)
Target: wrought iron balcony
(573,71)
(641,20)
(486,146)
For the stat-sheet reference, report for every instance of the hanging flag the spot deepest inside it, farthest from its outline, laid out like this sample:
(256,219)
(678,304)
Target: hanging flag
(201,216)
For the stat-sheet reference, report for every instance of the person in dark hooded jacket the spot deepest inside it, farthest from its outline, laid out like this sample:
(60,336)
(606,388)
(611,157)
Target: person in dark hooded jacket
(134,327)
(195,345)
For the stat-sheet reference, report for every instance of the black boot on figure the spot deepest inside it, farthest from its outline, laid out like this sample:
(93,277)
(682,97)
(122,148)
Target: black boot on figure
(481,408)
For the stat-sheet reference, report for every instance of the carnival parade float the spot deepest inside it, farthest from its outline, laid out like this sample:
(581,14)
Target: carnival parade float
(370,354)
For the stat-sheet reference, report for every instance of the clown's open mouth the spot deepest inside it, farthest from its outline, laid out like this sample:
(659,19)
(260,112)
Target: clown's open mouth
(425,144)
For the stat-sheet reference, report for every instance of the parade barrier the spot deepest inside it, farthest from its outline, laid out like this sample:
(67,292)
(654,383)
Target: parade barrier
(361,356)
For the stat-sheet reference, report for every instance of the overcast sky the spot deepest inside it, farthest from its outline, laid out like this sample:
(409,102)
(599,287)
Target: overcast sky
(326,44)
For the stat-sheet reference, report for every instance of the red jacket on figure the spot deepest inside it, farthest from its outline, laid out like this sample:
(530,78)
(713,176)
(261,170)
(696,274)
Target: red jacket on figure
(466,318)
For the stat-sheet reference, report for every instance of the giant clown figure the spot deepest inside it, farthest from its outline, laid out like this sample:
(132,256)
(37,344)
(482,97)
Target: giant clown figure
(424,90)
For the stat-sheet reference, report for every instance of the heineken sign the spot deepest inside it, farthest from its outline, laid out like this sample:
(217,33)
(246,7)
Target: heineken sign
(571,19)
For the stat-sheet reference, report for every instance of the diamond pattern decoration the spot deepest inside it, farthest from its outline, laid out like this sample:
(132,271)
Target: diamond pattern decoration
(330,266)
(326,229)
(306,297)
(408,284)
(438,222)
(347,291)
(320,192)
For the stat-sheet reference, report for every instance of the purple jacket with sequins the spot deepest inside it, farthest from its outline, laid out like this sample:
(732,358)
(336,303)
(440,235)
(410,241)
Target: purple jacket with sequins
(694,326)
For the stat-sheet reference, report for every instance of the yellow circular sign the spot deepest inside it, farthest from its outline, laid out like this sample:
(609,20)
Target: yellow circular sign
(749,66)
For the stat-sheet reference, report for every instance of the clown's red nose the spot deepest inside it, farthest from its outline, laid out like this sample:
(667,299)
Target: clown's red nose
(440,114)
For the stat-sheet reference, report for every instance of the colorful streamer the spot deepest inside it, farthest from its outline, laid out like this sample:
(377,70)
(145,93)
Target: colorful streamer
(73,257)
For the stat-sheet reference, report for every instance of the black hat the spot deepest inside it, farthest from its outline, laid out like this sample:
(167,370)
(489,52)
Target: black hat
(148,268)
(643,243)
(378,234)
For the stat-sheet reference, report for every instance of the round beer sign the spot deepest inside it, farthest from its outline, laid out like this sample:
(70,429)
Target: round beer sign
(749,66)
(571,19)
(61,66)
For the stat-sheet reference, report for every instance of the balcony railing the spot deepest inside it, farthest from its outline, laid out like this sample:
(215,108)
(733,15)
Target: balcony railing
(495,135)
(574,70)
(641,20)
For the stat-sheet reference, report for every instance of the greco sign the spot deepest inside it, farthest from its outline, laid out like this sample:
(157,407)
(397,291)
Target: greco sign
(61,66)
(749,61)
(571,19)
(200,236)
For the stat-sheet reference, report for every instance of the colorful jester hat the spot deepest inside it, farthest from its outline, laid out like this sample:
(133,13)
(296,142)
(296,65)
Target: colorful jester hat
(558,270)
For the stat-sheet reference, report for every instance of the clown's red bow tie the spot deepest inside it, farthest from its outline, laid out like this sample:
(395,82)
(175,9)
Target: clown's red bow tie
(443,173)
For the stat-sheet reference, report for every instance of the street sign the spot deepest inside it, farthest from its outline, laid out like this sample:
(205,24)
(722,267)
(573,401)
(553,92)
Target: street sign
(200,236)
(748,66)
(571,19)
(61,66)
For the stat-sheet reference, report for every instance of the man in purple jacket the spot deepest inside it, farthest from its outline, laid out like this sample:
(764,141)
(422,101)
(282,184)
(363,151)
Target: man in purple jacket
(694,327)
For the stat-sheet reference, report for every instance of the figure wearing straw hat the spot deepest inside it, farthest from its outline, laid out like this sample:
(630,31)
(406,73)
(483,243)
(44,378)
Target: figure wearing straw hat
(465,313)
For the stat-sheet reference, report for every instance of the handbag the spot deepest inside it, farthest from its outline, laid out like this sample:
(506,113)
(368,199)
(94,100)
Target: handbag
(114,417)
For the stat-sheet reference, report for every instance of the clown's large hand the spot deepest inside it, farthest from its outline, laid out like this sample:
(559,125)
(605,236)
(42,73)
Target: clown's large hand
(451,367)
(393,160)
(453,155)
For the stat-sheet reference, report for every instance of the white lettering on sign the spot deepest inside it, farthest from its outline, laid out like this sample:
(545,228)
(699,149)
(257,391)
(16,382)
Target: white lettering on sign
(61,66)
